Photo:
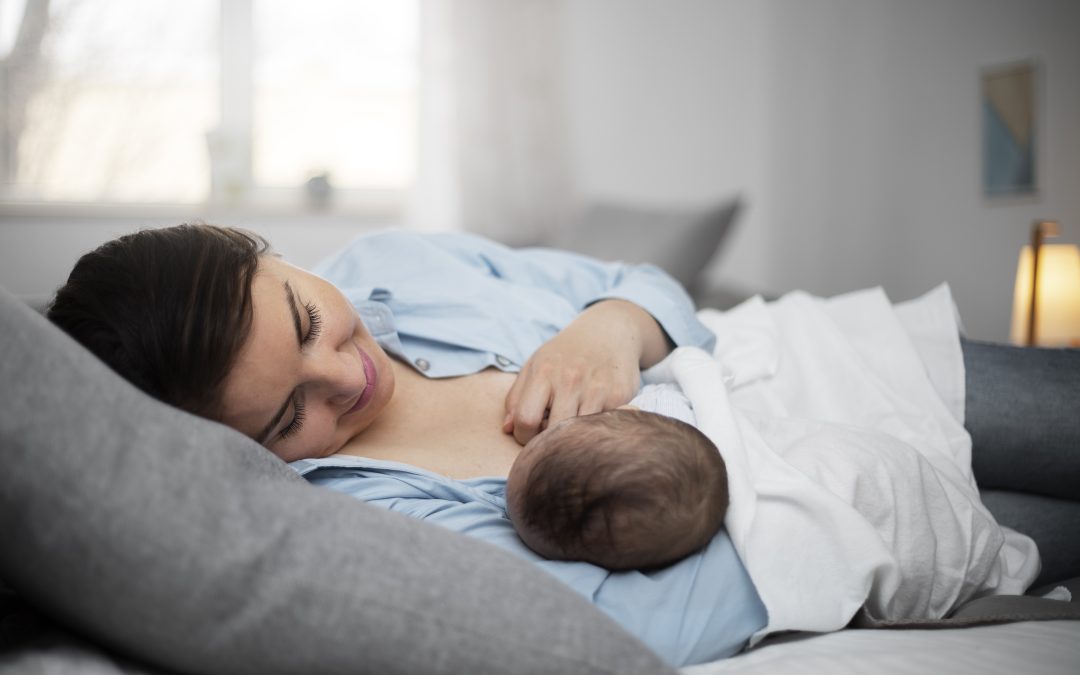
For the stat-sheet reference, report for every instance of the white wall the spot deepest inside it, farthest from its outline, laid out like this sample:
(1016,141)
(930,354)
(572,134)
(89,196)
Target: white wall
(853,125)
(876,155)
(667,103)
(850,126)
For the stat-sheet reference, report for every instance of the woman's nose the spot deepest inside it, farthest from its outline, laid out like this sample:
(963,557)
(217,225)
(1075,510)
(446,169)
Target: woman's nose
(340,374)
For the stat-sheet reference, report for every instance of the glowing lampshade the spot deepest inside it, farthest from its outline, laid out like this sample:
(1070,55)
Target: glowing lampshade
(1057,317)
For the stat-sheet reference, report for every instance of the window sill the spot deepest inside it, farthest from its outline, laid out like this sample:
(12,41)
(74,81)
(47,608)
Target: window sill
(347,207)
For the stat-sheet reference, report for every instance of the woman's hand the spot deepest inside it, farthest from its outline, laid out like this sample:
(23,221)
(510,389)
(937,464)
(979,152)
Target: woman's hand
(593,364)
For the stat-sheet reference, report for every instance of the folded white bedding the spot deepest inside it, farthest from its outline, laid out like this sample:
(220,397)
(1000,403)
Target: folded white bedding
(849,467)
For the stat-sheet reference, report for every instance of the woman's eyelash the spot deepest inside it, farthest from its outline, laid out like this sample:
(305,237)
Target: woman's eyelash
(314,322)
(297,420)
(314,327)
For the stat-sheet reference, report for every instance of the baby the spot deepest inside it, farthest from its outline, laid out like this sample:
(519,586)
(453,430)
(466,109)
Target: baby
(622,489)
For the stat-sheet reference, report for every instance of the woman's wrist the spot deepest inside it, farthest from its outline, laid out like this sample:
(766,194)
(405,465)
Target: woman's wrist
(649,342)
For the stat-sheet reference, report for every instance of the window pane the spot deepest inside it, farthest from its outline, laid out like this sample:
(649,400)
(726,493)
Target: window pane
(112,103)
(335,92)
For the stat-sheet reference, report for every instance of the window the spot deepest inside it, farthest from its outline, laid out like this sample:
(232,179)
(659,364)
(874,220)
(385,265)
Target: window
(239,101)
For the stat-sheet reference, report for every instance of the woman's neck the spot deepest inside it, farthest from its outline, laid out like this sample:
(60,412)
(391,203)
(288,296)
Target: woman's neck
(451,426)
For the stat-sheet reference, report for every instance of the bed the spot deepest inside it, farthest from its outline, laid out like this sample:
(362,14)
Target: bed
(1032,648)
(139,539)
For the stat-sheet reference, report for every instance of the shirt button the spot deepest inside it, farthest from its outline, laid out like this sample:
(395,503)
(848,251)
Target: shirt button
(502,360)
(422,364)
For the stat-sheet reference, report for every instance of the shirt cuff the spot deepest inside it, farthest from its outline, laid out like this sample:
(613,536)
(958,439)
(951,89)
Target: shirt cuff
(662,297)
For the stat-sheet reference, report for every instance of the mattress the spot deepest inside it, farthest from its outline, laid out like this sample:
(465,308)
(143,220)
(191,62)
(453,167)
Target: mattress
(1031,647)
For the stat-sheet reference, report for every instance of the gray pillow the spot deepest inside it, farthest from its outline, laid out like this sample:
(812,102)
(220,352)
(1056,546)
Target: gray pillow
(183,544)
(1054,524)
(681,242)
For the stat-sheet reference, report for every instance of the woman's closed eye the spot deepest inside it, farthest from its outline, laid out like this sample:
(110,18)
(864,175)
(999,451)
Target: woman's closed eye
(314,328)
(314,323)
(297,421)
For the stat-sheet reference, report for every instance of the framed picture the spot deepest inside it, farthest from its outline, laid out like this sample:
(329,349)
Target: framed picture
(1009,128)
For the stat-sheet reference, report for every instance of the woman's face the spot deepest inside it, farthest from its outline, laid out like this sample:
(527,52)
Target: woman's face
(309,377)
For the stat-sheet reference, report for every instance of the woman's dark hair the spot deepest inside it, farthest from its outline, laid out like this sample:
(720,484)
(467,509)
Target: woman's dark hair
(168,309)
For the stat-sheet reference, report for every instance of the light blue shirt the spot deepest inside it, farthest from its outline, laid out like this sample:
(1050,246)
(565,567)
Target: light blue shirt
(454,304)
(702,608)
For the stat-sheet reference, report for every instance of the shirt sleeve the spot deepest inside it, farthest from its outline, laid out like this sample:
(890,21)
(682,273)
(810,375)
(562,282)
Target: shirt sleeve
(448,504)
(584,281)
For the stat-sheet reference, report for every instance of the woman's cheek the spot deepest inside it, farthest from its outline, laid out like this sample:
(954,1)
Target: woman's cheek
(329,435)
(290,454)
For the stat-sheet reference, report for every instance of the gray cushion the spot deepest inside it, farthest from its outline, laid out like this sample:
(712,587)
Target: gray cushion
(182,544)
(1021,403)
(66,658)
(1054,524)
(681,242)
(32,645)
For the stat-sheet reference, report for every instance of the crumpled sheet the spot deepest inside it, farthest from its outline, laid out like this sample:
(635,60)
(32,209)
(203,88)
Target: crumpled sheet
(841,424)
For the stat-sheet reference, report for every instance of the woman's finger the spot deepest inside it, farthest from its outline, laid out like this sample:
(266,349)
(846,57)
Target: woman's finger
(593,401)
(565,404)
(511,401)
(528,414)
(513,397)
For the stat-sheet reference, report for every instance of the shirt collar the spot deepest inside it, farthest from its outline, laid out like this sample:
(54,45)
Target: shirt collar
(378,318)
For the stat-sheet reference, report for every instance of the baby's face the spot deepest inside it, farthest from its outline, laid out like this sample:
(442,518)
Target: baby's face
(537,445)
(517,484)
(536,448)
(533,450)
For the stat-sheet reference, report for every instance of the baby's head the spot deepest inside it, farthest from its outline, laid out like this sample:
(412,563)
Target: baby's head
(623,489)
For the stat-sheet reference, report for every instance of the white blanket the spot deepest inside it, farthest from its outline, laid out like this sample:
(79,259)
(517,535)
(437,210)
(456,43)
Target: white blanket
(848,464)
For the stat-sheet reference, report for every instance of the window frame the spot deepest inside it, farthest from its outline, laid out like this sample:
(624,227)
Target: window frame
(236,92)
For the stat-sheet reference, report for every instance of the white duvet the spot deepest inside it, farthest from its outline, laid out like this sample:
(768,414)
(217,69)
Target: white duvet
(841,424)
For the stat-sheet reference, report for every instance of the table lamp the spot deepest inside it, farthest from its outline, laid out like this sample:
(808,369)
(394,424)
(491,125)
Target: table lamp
(1046,300)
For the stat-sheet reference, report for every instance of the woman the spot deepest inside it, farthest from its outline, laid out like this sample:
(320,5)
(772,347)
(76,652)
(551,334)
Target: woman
(206,319)
(417,393)
(408,374)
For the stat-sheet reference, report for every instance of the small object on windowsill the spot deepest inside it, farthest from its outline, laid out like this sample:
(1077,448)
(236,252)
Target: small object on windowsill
(1046,300)
(319,191)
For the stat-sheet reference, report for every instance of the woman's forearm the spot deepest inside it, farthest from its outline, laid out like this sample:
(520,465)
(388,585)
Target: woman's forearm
(652,343)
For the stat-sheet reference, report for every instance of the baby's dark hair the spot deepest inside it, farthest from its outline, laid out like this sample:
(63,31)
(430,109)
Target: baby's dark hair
(623,489)
(168,309)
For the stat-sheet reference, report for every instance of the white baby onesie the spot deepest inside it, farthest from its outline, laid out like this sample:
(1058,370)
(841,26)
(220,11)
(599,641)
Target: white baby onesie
(666,399)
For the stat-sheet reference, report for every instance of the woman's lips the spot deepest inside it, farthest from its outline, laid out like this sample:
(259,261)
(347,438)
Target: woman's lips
(371,376)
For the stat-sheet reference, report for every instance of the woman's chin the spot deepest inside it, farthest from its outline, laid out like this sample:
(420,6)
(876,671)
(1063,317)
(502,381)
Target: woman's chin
(355,423)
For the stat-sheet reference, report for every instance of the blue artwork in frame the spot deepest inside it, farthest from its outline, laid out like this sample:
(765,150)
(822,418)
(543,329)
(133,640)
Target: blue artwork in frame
(1009,133)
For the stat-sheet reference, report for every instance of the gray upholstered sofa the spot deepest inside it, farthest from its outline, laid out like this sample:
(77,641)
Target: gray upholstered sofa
(139,539)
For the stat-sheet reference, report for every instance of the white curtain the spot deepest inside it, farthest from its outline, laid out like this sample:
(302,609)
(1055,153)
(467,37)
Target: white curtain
(493,148)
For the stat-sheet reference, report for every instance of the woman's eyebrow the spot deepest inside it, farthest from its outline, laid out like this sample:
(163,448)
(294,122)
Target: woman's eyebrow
(290,300)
